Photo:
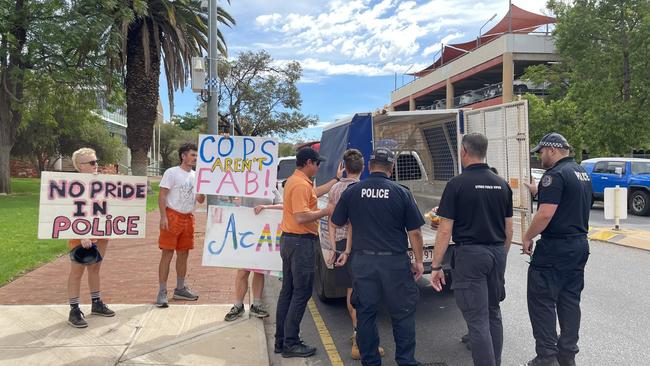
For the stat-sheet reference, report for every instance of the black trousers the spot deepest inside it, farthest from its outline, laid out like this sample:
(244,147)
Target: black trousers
(479,287)
(555,282)
(297,283)
(387,278)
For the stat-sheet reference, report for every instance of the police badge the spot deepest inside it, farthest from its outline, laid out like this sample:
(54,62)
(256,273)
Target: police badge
(547,180)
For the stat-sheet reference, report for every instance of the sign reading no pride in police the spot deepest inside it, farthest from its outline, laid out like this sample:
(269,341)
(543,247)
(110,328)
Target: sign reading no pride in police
(75,205)
(239,166)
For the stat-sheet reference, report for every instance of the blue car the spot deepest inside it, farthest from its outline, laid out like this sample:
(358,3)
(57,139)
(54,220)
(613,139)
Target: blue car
(630,173)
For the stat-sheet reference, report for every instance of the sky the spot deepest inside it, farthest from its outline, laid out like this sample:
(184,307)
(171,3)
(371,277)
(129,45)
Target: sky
(350,50)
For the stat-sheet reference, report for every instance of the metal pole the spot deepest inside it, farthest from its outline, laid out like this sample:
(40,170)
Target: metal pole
(213,54)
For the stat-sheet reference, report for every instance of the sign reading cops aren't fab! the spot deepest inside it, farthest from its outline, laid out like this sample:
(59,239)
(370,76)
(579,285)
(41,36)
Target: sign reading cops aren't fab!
(75,205)
(237,166)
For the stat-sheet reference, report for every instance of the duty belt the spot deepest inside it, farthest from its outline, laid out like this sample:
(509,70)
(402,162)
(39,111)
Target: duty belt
(462,243)
(304,236)
(564,236)
(373,252)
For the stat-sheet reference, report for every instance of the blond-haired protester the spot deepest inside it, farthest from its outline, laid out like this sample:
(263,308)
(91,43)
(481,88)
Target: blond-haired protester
(85,161)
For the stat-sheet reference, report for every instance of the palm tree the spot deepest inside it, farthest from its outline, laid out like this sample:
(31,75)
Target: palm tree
(144,34)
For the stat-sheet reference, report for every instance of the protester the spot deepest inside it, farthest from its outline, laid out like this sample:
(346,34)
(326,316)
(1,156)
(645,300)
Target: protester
(85,161)
(257,309)
(176,202)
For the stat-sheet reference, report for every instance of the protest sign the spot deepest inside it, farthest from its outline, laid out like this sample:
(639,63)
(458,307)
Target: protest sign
(75,205)
(237,238)
(237,166)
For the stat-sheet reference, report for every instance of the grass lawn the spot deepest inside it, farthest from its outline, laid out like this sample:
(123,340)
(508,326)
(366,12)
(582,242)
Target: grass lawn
(20,251)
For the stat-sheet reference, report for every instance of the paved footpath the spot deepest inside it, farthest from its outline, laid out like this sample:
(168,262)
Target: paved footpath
(33,314)
(129,274)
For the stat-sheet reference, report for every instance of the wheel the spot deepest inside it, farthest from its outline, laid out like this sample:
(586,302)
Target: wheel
(640,203)
(319,278)
(593,200)
(521,89)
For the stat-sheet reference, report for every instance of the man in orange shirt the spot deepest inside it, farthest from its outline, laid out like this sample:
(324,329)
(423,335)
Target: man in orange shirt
(297,244)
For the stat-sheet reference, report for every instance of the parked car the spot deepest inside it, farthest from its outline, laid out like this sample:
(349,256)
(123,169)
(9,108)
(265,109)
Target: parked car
(524,86)
(630,173)
(469,97)
(286,167)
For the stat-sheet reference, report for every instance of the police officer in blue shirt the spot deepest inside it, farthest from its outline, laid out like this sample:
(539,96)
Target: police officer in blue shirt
(384,218)
(476,209)
(556,272)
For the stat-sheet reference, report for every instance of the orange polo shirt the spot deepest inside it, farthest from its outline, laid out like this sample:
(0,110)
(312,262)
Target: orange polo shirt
(299,196)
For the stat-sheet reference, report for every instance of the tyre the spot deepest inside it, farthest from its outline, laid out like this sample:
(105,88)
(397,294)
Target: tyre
(593,200)
(639,203)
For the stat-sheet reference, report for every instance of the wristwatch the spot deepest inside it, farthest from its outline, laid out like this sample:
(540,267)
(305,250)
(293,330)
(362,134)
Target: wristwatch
(337,179)
(436,269)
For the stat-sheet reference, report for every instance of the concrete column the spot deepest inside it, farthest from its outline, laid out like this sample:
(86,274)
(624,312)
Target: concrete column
(411,103)
(450,94)
(508,76)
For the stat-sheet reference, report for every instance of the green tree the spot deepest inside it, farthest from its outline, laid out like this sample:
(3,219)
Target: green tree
(57,120)
(190,121)
(53,37)
(171,137)
(286,149)
(605,46)
(144,33)
(260,97)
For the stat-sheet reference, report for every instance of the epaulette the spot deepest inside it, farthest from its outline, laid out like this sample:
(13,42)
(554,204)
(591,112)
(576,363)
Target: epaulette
(405,187)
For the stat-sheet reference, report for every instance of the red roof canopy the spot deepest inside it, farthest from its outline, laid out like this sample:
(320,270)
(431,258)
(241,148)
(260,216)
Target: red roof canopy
(517,20)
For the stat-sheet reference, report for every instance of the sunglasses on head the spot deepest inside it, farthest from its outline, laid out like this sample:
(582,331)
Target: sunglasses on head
(92,162)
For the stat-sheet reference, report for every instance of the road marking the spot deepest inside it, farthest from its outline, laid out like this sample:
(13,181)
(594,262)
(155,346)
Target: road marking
(325,337)
(602,235)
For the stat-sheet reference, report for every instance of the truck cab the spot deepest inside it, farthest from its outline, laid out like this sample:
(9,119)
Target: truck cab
(426,145)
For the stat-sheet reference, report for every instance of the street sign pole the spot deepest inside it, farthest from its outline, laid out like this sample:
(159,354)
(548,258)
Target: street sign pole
(212,79)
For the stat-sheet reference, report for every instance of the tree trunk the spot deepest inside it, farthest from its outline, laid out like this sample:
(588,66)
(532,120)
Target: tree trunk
(11,93)
(141,95)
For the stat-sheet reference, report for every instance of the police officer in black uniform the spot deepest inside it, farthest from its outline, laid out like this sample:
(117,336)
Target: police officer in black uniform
(384,218)
(556,272)
(476,208)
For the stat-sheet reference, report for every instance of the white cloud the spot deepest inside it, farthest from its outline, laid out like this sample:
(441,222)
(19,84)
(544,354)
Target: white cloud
(375,37)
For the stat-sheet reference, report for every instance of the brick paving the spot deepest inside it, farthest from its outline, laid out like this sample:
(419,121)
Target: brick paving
(129,274)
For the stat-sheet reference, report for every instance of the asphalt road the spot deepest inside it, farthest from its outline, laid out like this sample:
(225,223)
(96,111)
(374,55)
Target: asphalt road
(615,317)
(597,218)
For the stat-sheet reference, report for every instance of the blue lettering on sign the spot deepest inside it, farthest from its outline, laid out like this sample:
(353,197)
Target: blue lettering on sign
(246,151)
(270,160)
(243,236)
(201,149)
(232,146)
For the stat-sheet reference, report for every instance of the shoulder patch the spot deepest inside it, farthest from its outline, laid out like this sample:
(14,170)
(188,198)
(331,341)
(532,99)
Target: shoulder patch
(546,180)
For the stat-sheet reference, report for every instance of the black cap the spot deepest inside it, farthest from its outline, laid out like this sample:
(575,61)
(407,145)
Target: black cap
(382,155)
(552,139)
(85,256)
(307,153)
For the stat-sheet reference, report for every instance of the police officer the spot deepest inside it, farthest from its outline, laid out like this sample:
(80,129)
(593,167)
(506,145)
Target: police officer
(556,272)
(476,209)
(384,218)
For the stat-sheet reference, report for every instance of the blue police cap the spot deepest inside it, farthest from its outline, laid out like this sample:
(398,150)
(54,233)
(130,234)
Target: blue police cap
(382,155)
(552,139)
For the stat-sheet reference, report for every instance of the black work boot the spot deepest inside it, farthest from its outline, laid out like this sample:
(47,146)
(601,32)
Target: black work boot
(566,359)
(543,361)
(298,350)
(76,318)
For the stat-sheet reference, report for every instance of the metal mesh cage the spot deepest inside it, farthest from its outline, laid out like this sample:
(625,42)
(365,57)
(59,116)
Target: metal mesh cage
(507,131)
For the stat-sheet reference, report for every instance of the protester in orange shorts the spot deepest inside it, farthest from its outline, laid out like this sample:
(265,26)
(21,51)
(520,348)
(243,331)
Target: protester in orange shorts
(176,203)
(85,161)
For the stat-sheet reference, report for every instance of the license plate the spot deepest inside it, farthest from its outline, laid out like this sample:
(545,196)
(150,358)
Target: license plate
(428,255)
